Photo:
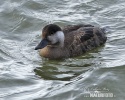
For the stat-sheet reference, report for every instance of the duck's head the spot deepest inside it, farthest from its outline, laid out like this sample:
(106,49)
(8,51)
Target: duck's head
(51,35)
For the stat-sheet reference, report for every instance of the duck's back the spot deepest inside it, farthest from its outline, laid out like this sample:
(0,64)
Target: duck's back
(82,38)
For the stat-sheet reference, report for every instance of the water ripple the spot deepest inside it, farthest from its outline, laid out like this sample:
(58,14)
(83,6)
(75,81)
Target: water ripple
(24,75)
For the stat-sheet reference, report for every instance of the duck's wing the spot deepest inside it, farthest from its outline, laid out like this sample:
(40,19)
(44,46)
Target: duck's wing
(70,28)
(85,39)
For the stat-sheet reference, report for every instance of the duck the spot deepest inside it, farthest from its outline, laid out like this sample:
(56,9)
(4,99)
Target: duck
(70,41)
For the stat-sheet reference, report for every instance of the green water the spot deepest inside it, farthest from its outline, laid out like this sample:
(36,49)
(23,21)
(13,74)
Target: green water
(24,75)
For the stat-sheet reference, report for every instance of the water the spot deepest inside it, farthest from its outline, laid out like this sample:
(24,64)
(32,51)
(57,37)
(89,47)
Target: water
(24,75)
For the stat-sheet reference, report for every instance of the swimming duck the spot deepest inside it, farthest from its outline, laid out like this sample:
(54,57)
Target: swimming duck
(72,40)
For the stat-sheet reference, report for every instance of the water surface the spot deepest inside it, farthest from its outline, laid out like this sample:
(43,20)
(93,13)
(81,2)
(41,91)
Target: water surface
(24,75)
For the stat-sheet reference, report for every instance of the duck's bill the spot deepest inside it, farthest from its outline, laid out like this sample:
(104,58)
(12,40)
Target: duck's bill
(42,44)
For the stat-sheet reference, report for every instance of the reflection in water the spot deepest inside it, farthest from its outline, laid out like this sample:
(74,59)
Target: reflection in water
(67,69)
(23,77)
(52,73)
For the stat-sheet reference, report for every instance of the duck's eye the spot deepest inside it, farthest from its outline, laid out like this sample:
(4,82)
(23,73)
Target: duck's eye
(51,33)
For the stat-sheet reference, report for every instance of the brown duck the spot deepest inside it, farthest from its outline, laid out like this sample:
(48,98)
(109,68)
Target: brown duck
(73,40)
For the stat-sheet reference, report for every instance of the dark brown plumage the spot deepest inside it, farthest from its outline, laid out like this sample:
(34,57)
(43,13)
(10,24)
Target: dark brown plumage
(78,40)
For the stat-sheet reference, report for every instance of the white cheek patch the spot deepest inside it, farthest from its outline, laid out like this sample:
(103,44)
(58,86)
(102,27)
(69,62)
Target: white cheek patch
(57,37)
(53,38)
(61,37)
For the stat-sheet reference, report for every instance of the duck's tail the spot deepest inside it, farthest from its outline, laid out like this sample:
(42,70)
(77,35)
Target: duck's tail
(105,29)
